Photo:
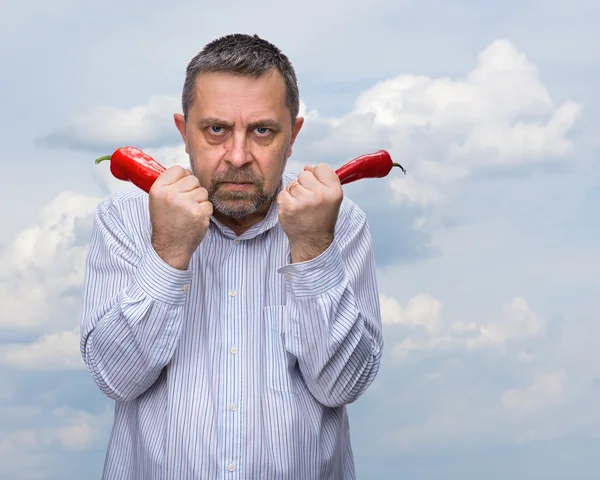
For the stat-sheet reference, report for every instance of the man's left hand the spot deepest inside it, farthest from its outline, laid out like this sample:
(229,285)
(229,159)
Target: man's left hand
(308,211)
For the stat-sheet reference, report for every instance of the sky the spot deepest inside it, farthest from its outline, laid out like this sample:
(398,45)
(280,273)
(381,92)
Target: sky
(487,249)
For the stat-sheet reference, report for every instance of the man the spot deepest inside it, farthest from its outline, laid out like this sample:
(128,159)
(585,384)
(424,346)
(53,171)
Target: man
(232,319)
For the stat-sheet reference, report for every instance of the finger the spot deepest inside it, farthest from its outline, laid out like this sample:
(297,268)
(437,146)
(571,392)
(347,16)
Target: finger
(325,174)
(308,168)
(187,183)
(171,175)
(284,197)
(296,190)
(204,208)
(197,195)
(309,181)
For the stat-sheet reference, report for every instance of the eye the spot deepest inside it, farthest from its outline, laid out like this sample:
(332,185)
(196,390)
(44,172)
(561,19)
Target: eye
(262,130)
(215,129)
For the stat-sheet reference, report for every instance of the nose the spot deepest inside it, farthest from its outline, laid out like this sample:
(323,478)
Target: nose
(238,154)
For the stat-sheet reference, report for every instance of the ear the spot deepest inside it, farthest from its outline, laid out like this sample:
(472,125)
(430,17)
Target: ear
(295,130)
(180,124)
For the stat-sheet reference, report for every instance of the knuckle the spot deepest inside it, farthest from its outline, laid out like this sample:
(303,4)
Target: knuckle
(168,196)
(317,198)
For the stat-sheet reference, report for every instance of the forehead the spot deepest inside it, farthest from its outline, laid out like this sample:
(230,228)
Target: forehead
(228,94)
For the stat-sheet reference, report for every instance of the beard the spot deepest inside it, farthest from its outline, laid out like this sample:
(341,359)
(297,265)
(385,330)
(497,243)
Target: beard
(238,204)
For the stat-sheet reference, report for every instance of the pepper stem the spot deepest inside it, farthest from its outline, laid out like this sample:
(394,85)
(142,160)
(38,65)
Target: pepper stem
(398,165)
(105,157)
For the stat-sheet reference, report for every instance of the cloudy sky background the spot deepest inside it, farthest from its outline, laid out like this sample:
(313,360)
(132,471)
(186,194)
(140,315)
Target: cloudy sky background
(487,249)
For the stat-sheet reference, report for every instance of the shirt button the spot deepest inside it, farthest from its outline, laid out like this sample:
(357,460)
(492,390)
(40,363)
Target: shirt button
(231,467)
(236,242)
(234,349)
(287,275)
(233,407)
(232,293)
(185,287)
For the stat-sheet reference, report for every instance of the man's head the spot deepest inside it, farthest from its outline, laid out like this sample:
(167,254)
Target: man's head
(240,106)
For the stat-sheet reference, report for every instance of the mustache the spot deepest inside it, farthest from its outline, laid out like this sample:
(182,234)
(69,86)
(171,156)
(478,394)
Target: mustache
(238,175)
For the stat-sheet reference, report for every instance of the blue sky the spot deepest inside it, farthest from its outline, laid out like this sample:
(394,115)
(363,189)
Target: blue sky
(486,250)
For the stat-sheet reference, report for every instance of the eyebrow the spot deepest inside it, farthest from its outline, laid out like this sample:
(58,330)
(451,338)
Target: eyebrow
(210,121)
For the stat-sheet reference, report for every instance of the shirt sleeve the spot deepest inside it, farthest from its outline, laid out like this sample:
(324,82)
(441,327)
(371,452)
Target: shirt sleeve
(132,308)
(333,320)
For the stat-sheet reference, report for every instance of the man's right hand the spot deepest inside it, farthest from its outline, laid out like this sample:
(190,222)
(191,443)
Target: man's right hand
(180,215)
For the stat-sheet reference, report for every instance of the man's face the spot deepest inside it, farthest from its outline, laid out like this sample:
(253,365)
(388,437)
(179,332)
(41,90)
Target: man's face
(239,135)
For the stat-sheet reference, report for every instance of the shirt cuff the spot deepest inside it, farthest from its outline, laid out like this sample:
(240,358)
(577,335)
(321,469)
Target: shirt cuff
(316,276)
(160,280)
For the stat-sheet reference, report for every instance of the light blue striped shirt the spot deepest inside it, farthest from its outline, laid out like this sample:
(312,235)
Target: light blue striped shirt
(239,367)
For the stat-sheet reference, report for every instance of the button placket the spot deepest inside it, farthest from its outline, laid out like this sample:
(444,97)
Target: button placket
(234,370)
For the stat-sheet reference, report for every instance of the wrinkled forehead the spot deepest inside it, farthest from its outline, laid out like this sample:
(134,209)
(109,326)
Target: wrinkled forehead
(239,97)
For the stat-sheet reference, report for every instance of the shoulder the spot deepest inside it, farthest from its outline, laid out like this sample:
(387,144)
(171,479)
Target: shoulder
(127,210)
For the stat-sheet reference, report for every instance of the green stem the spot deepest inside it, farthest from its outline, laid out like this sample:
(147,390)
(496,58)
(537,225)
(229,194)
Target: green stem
(106,157)
(398,165)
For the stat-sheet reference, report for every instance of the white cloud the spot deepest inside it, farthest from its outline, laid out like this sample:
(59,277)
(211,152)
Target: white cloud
(53,351)
(105,125)
(422,310)
(78,429)
(28,452)
(547,389)
(506,144)
(464,380)
(516,322)
(443,130)
(42,271)
(408,190)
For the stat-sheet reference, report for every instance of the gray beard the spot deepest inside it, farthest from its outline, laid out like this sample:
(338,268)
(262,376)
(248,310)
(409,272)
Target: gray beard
(222,203)
(224,207)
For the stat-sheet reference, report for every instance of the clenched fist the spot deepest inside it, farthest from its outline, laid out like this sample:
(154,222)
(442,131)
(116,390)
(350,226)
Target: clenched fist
(308,211)
(180,214)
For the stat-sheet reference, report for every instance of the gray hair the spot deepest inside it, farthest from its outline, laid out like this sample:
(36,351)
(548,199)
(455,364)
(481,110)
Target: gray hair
(241,54)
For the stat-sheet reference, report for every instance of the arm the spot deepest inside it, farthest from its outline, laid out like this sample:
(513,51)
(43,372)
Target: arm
(132,309)
(334,324)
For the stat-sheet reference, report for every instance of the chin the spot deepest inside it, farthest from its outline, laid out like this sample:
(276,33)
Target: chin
(240,207)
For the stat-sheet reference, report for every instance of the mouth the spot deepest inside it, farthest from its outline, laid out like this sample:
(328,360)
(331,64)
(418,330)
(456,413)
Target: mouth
(237,185)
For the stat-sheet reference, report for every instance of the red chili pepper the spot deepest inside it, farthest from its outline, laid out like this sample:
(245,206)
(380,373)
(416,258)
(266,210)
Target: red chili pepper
(370,165)
(133,165)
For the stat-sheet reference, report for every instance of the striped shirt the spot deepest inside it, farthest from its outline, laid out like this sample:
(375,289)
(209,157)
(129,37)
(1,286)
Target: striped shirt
(240,366)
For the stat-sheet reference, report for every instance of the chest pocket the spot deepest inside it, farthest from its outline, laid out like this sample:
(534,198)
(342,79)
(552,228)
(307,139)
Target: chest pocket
(280,364)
